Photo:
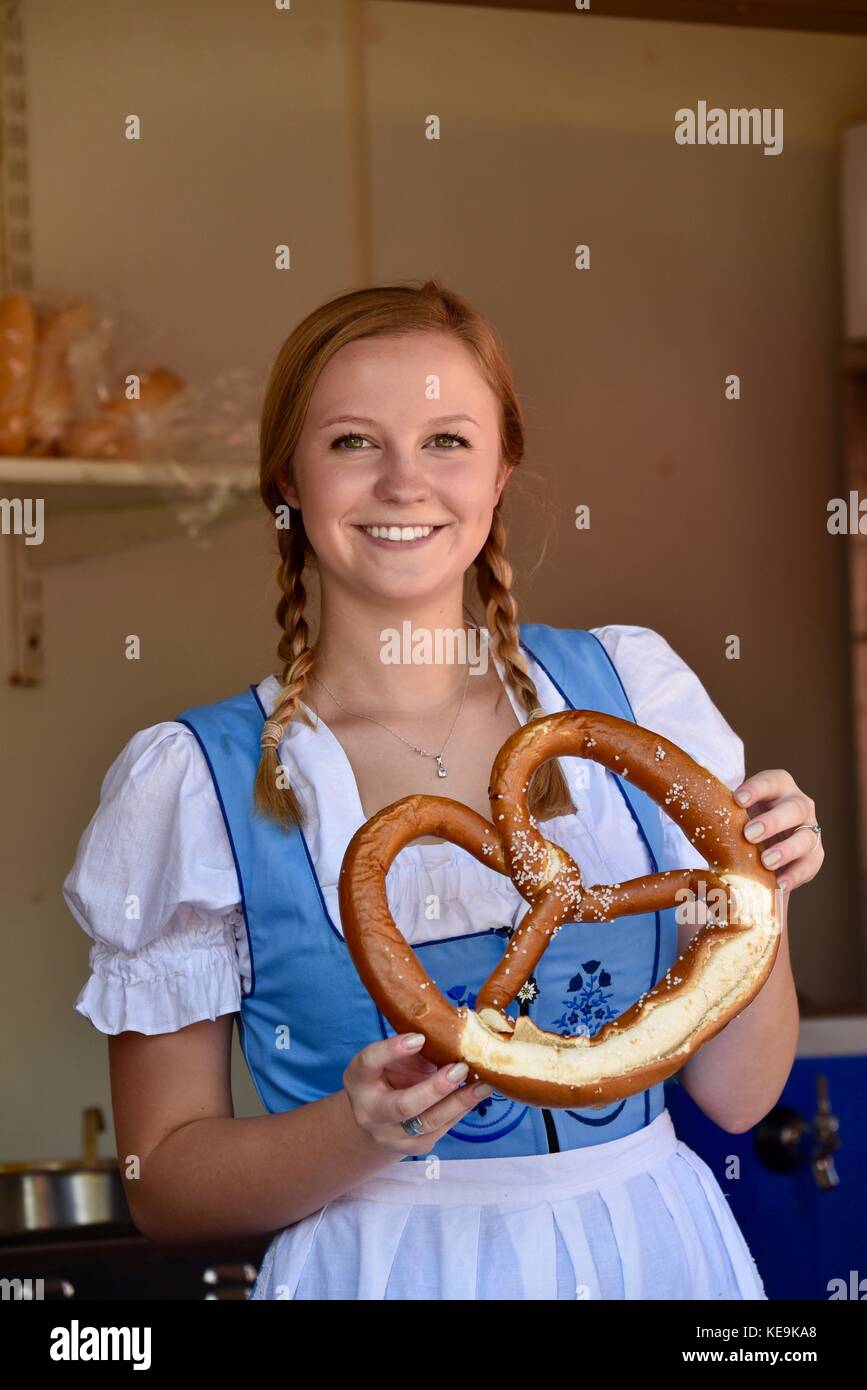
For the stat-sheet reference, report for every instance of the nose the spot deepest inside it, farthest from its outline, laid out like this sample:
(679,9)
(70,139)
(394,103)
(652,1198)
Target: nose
(402,477)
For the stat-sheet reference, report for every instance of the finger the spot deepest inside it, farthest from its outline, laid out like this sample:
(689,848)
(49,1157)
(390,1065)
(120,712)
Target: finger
(440,1118)
(798,874)
(414,1100)
(787,814)
(764,786)
(412,1066)
(407,1071)
(368,1064)
(799,845)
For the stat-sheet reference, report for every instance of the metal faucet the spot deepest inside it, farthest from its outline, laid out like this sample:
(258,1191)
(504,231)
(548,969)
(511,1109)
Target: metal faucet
(781,1139)
(825,1127)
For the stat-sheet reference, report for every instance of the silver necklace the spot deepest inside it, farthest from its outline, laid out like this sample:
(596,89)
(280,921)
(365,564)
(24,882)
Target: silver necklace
(441,770)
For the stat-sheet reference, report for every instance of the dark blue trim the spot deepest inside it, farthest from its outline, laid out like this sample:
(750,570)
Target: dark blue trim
(462,936)
(491,1138)
(483,1138)
(310,867)
(604,651)
(313,873)
(606,1120)
(232,847)
(242,1035)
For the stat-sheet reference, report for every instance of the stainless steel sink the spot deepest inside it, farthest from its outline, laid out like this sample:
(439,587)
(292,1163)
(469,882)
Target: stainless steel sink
(63,1194)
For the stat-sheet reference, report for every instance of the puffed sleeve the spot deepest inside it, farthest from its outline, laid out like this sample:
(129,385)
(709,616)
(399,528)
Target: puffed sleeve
(154,886)
(667,696)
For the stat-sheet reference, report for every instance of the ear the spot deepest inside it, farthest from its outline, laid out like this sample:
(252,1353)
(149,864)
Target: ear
(507,473)
(287,491)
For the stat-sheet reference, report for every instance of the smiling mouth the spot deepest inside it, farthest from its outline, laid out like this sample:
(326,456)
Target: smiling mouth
(399,535)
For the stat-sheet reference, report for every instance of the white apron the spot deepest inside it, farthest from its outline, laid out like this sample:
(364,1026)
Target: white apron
(641,1217)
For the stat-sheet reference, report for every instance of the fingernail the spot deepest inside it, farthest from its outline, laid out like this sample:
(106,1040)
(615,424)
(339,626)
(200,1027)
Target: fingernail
(753,831)
(457,1072)
(413,1039)
(742,797)
(482,1090)
(771,857)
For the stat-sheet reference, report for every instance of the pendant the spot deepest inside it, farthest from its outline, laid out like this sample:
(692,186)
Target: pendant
(441,772)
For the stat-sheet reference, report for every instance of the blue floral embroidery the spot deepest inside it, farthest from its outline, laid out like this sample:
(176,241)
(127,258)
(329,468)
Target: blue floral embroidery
(589,1007)
(460,995)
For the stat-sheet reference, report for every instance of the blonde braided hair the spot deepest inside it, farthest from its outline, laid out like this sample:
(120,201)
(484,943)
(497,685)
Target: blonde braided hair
(363,314)
(548,794)
(273,792)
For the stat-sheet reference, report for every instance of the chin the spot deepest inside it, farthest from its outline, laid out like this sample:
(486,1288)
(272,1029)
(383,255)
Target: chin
(401,594)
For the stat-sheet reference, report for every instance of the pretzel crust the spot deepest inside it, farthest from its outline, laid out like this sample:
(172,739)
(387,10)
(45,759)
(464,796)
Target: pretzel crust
(719,973)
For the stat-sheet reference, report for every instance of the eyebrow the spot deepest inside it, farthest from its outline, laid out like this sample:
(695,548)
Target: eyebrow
(365,420)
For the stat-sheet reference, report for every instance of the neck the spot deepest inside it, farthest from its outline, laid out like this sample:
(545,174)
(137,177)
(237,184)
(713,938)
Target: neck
(352,642)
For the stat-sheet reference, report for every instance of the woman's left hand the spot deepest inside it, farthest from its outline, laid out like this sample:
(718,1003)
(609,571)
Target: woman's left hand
(779,813)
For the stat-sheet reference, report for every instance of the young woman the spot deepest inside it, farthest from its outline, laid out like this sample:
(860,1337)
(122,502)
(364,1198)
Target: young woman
(208,880)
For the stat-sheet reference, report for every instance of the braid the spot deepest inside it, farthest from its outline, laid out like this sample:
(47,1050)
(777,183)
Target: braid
(548,792)
(273,795)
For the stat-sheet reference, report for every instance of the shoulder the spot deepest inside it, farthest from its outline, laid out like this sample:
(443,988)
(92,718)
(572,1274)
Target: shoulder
(668,697)
(153,885)
(160,753)
(159,772)
(157,833)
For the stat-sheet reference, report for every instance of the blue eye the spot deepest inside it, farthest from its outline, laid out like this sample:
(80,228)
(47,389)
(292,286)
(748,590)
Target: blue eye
(337,443)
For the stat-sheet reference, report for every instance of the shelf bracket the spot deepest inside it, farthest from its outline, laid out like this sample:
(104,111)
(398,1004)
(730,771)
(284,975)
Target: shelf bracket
(22,594)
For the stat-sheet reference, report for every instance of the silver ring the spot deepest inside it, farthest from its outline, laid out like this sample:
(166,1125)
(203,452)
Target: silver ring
(811,825)
(413,1126)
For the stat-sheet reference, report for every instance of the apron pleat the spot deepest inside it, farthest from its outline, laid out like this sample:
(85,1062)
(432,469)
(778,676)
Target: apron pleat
(288,1252)
(438,1255)
(625,1226)
(746,1273)
(523,1238)
(367,1250)
(570,1223)
(701,1284)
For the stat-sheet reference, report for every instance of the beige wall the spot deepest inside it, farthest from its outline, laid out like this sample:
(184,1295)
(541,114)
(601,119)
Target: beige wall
(708,517)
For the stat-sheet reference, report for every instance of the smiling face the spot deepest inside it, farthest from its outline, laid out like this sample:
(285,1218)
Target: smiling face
(375,454)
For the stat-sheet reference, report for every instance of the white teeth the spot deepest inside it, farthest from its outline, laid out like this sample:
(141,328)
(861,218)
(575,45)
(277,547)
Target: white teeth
(398,533)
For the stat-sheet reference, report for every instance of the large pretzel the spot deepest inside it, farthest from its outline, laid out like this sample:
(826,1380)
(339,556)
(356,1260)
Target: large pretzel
(722,969)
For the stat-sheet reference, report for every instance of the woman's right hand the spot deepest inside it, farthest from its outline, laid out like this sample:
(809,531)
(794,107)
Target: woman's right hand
(387,1082)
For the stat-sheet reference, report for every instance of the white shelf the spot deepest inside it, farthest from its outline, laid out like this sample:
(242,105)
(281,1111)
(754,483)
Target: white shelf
(98,507)
(122,473)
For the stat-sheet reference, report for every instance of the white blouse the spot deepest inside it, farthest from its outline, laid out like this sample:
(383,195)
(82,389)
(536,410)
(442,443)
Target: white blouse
(154,883)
